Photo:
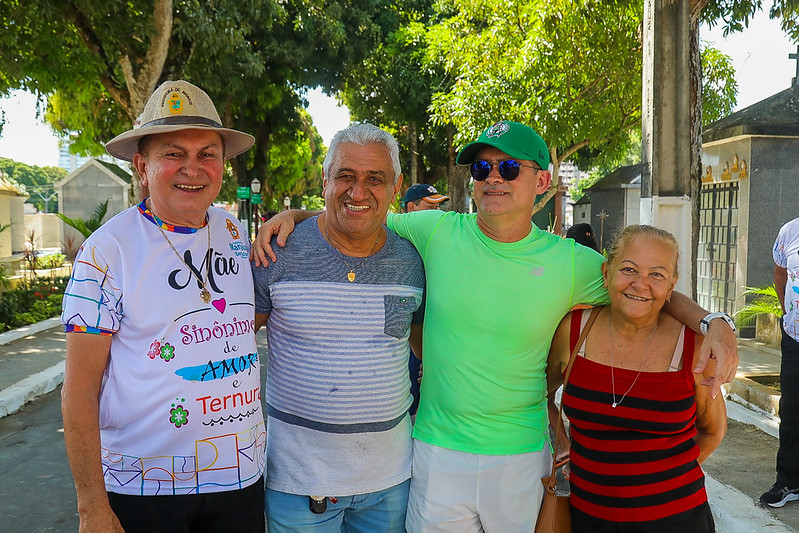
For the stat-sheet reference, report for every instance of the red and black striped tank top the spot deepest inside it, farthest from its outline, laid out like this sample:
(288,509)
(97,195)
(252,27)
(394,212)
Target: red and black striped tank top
(637,461)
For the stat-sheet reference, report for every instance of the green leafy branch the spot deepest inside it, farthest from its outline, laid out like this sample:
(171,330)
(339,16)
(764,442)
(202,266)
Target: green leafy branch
(87,227)
(765,302)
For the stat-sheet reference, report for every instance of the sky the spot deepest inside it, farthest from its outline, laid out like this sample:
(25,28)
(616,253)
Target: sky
(759,53)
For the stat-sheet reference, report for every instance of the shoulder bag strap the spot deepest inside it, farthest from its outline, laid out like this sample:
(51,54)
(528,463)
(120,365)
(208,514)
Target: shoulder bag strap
(583,334)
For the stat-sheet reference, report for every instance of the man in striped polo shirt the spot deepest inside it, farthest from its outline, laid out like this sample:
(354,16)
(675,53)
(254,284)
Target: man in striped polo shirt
(338,305)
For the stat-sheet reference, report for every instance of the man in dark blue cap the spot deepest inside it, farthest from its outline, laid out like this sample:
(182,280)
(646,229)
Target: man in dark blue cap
(422,197)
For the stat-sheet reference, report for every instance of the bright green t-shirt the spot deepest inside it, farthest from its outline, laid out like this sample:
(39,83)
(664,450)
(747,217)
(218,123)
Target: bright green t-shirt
(491,311)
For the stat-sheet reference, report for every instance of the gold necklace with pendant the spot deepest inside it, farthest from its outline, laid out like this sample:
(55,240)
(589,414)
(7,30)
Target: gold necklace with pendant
(205,294)
(351,273)
(643,362)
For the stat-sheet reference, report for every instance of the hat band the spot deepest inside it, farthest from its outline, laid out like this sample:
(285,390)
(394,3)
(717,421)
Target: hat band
(183,120)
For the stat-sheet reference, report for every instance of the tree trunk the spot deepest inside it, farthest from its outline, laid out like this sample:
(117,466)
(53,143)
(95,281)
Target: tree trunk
(457,176)
(553,187)
(413,155)
(141,75)
(695,133)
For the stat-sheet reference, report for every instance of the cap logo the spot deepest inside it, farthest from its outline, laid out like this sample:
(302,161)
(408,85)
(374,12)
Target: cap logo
(498,130)
(175,104)
(431,189)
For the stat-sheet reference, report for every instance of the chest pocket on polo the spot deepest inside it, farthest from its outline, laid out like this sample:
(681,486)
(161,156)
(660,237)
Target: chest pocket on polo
(399,312)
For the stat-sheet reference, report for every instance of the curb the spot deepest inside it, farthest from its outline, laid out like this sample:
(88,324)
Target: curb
(27,390)
(19,333)
(17,395)
(735,512)
(760,346)
(753,393)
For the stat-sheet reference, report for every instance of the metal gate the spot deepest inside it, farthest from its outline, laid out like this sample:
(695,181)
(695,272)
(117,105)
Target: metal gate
(718,252)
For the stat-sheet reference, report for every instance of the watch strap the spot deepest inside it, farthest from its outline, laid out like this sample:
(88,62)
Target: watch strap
(705,322)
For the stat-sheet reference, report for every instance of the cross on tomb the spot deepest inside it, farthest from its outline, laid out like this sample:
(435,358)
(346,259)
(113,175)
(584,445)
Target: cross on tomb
(795,56)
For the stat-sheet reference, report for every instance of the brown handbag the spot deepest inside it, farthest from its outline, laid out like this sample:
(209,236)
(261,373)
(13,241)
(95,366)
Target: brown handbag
(555,515)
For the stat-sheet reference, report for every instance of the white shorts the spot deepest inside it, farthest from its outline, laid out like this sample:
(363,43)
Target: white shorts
(460,492)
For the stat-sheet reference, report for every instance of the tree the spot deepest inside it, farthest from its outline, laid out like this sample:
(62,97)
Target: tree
(393,88)
(735,15)
(545,64)
(295,44)
(36,181)
(719,88)
(79,47)
(98,61)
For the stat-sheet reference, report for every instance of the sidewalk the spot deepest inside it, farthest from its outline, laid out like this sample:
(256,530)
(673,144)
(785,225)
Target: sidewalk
(32,364)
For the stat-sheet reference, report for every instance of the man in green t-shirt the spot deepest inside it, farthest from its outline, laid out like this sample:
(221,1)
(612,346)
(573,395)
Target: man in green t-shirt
(497,286)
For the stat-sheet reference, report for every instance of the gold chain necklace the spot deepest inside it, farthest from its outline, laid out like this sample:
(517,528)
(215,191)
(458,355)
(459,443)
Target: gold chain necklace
(205,294)
(643,362)
(351,273)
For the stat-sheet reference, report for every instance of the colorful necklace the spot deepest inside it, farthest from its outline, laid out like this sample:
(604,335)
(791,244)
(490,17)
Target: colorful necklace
(205,294)
(351,273)
(643,362)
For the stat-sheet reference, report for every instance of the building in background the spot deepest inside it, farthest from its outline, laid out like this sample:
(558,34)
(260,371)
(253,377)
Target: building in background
(66,160)
(570,175)
(748,193)
(615,203)
(83,190)
(71,162)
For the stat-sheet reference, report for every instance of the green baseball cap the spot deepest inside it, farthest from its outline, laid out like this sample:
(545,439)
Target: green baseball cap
(516,140)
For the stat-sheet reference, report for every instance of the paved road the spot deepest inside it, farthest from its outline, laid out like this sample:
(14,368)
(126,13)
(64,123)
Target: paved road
(37,493)
(745,461)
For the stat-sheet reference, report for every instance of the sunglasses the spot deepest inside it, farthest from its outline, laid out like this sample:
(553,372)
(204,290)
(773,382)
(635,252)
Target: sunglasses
(508,169)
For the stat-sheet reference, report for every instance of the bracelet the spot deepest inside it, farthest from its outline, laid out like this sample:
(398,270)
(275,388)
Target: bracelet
(705,322)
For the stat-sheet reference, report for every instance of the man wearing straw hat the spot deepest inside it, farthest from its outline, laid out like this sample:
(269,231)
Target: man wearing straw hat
(161,398)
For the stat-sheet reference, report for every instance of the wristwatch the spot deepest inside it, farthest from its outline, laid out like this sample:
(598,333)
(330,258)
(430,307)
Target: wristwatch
(705,322)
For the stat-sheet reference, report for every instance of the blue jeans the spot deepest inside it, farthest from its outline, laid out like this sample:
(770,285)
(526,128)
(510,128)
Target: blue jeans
(375,512)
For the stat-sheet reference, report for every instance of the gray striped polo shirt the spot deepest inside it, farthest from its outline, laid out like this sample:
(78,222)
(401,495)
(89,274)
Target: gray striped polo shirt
(337,387)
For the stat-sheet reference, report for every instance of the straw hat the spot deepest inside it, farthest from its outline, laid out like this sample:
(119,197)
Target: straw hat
(174,106)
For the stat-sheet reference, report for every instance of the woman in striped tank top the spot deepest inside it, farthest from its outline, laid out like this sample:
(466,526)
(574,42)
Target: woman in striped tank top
(641,423)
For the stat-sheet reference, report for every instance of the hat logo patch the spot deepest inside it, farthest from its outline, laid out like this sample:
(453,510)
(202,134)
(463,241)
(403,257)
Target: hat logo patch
(497,130)
(175,104)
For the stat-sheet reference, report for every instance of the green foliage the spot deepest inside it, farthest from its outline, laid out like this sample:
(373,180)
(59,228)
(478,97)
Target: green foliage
(294,162)
(545,64)
(765,302)
(91,59)
(51,261)
(5,280)
(30,304)
(87,227)
(734,15)
(294,166)
(629,155)
(33,178)
(719,88)
(313,202)
(393,88)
